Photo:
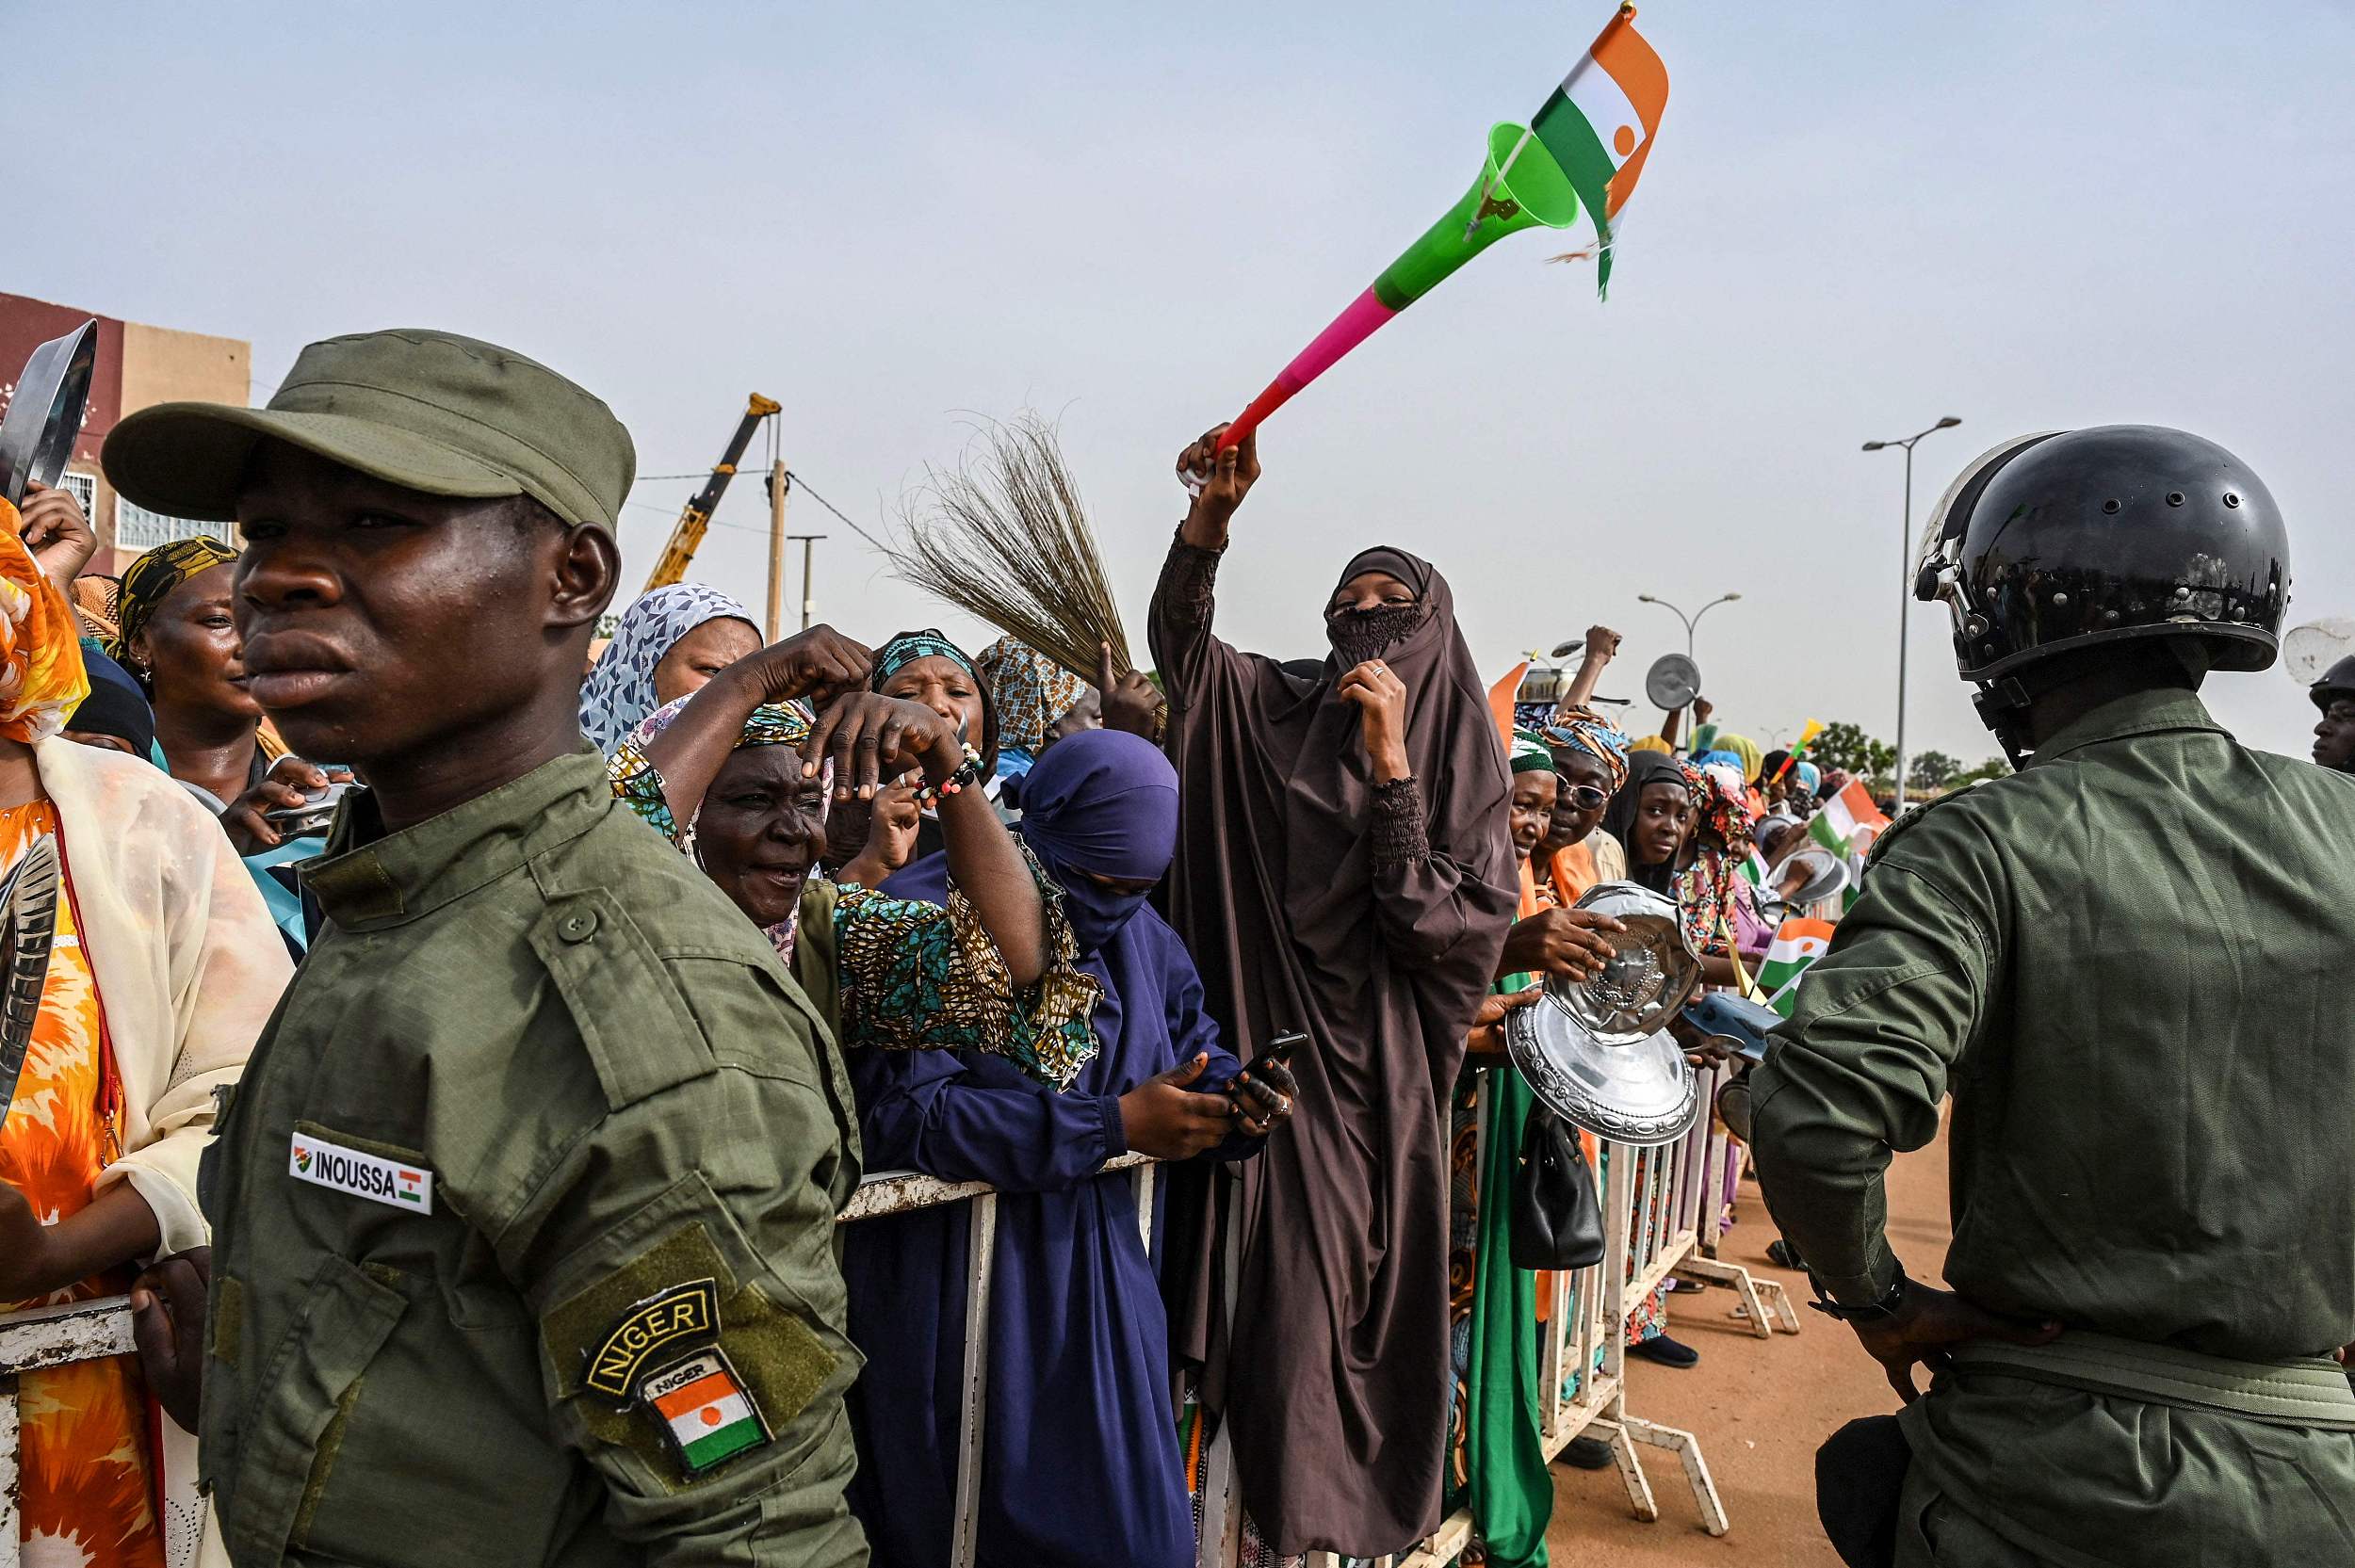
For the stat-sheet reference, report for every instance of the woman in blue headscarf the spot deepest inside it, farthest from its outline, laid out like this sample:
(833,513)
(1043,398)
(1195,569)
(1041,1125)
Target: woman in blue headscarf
(665,646)
(1081,1464)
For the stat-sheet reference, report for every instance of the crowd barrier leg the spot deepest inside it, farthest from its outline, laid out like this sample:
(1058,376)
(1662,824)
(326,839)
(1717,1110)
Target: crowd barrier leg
(980,1254)
(1765,1303)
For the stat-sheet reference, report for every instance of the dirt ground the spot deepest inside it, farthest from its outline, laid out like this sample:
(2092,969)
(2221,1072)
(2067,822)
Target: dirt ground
(1760,1407)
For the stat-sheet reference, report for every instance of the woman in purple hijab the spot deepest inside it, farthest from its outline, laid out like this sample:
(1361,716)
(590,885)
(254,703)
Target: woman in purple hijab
(1081,1465)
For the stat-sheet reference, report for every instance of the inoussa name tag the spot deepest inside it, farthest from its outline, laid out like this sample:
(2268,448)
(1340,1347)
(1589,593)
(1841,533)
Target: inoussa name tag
(361,1175)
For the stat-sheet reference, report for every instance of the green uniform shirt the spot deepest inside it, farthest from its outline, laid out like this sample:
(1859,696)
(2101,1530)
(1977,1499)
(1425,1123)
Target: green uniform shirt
(525,1215)
(2131,964)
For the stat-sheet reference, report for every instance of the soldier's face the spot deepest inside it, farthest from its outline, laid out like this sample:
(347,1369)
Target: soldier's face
(2334,738)
(382,624)
(760,829)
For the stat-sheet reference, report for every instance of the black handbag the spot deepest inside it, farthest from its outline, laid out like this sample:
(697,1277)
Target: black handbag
(1557,1220)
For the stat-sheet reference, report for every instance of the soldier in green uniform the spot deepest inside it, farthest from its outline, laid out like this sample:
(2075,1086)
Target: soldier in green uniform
(524,1212)
(2128,964)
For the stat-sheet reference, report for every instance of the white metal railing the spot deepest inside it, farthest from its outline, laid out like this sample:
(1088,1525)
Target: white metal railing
(887,1192)
(44,1337)
(1663,1212)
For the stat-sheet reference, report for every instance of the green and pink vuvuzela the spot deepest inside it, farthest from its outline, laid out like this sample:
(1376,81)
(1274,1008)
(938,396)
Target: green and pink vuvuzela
(1584,146)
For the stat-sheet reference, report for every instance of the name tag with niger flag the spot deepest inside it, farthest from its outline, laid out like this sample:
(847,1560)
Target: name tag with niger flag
(361,1175)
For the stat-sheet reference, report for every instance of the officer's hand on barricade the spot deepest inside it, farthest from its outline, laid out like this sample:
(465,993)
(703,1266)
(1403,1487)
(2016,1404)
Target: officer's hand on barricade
(1567,942)
(168,1323)
(1163,1118)
(1926,1323)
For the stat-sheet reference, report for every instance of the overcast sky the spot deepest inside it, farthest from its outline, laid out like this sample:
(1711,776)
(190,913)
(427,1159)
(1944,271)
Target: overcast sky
(892,216)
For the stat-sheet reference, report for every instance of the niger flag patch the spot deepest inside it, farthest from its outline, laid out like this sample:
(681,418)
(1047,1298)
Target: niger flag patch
(703,1409)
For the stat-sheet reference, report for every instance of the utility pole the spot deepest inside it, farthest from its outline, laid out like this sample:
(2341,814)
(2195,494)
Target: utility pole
(809,550)
(777,481)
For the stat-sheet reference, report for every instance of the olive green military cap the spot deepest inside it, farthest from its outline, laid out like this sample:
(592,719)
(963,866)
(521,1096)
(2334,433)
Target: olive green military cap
(428,410)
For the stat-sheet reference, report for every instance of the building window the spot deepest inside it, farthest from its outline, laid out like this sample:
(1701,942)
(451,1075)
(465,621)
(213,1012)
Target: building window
(85,489)
(137,528)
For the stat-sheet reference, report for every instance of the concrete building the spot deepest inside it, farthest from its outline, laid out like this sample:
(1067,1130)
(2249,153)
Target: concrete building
(138,366)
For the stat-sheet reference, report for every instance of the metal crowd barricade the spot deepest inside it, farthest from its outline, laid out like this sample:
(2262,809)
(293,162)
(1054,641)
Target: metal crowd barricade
(1663,1209)
(29,1342)
(885,1193)
(86,1331)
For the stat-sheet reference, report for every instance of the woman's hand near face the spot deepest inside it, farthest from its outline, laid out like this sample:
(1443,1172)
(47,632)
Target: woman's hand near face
(56,532)
(1381,700)
(873,739)
(1219,481)
(890,837)
(815,666)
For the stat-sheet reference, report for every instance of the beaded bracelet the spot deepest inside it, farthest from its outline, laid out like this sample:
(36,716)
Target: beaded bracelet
(965,776)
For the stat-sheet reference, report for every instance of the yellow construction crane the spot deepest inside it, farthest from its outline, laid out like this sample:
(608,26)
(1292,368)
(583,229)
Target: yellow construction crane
(689,532)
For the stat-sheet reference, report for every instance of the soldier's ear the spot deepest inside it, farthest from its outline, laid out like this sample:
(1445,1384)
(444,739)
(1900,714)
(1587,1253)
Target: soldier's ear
(587,569)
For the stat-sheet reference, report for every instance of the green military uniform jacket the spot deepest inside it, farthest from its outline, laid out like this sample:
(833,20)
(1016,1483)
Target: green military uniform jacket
(525,1215)
(2130,964)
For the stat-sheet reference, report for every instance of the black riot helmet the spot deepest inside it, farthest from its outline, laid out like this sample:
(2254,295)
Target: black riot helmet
(2051,543)
(2337,682)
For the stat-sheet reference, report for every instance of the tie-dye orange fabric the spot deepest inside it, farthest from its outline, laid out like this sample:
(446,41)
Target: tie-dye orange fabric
(41,678)
(87,1498)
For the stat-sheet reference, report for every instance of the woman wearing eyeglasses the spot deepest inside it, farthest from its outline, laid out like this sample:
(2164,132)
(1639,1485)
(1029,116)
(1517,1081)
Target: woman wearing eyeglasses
(1590,758)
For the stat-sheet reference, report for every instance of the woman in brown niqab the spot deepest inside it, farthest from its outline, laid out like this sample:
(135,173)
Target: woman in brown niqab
(1342,869)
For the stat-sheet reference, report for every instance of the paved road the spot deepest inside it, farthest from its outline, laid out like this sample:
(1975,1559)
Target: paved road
(1760,1407)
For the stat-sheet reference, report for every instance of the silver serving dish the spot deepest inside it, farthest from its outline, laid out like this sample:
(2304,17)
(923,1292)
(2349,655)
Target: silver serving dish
(1598,1053)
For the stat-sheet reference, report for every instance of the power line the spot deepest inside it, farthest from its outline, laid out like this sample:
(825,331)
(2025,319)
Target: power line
(862,533)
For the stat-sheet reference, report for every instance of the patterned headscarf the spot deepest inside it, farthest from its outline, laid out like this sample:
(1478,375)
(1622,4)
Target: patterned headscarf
(1584,729)
(771,724)
(1721,839)
(620,690)
(905,648)
(149,581)
(41,678)
(1032,692)
(1528,753)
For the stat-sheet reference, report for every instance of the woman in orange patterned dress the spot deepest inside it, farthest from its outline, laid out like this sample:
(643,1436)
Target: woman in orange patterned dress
(97,1149)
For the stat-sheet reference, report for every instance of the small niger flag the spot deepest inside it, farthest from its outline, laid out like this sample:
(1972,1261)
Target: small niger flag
(1797,943)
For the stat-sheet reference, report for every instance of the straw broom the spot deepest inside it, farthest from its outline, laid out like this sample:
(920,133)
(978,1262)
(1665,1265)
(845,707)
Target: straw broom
(1003,535)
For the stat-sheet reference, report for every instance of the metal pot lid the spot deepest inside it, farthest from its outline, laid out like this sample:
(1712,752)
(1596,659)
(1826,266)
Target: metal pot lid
(1597,1053)
(1827,874)
(1643,1094)
(44,415)
(1653,976)
(1672,681)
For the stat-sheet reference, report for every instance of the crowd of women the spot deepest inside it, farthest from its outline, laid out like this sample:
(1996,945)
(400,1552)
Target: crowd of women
(1338,872)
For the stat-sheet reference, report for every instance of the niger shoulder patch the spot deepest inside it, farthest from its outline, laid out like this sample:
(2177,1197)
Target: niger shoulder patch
(652,1330)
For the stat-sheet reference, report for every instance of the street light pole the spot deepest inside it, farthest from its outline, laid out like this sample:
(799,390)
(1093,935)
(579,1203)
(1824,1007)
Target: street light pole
(1905,585)
(1690,621)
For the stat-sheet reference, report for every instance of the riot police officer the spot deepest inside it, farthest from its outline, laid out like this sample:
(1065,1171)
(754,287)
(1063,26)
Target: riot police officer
(2334,736)
(2127,965)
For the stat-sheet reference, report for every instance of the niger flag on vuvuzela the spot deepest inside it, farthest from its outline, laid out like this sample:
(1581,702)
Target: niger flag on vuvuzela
(1598,126)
